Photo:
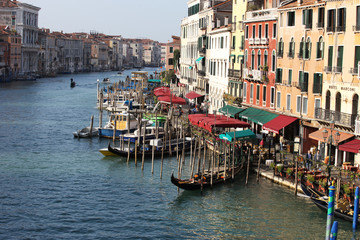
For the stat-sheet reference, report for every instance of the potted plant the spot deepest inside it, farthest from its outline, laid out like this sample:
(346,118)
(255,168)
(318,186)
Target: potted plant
(310,180)
(322,184)
(347,190)
(289,172)
(272,165)
(279,168)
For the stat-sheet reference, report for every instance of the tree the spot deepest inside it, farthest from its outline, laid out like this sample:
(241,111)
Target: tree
(176,57)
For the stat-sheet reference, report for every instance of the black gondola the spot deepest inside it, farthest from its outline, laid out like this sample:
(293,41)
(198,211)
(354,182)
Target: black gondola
(318,199)
(195,184)
(72,83)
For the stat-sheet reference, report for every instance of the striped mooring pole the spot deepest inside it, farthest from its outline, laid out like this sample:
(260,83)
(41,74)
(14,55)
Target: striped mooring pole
(330,214)
(334,231)
(356,209)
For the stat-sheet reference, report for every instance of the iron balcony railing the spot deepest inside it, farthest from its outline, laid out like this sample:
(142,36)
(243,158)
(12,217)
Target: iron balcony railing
(345,119)
(320,25)
(337,69)
(290,54)
(340,28)
(201,73)
(234,73)
(356,28)
(328,69)
(330,29)
(354,71)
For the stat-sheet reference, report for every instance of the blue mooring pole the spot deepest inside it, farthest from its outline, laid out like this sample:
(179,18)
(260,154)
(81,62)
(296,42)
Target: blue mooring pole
(334,231)
(330,214)
(356,209)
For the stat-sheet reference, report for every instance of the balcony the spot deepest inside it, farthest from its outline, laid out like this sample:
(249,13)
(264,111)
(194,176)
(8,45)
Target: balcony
(264,40)
(308,26)
(338,117)
(251,41)
(330,29)
(257,41)
(356,28)
(328,69)
(300,55)
(252,74)
(202,50)
(340,28)
(304,86)
(280,53)
(337,69)
(290,55)
(354,71)
(201,73)
(232,73)
(320,25)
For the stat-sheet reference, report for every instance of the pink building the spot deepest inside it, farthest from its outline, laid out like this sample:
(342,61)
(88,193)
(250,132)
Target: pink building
(170,48)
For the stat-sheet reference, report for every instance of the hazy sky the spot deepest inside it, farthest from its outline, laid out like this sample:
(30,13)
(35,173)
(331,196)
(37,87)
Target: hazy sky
(154,19)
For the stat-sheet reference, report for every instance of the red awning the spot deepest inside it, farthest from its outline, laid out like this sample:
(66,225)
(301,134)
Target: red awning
(210,121)
(352,146)
(318,135)
(172,99)
(192,95)
(278,123)
(162,91)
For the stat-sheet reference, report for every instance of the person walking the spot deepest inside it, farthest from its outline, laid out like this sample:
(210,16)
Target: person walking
(308,160)
(317,158)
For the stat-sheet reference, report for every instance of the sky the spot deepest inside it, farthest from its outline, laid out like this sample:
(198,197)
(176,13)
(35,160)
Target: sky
(154,19)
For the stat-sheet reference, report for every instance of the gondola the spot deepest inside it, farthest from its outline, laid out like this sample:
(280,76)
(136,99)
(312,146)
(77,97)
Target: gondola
(148,149)
(318,199)
(195,184)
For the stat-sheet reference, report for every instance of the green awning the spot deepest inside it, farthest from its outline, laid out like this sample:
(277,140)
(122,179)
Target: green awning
(239,135)
(232,111)
(154,80)
(257,116)
(199,59)
(190,67)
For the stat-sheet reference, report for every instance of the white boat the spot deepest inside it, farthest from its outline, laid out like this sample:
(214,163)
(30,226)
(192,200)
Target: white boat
(85,133)
(150,133)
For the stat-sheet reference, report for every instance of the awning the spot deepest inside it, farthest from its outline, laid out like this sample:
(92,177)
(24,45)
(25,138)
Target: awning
(199,59)
(154,80)
(192,95)
(278,123)
(162,91)
(172,100)
(257,116)
(352,146)
(318,135)
(210,121)
(228,109)
(239,135)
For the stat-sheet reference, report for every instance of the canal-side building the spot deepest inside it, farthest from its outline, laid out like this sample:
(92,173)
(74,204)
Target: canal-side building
(11,53)
(340,91)
(237,53)
(169,56)
(300,62)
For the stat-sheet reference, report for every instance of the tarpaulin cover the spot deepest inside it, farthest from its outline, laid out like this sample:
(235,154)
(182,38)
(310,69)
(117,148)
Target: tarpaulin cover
(239,135)
(192,95)
(172,99)
(162,91)
(278,123)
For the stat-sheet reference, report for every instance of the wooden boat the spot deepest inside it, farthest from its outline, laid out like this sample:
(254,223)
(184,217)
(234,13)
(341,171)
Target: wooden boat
(106,80)
(195,184)
(85,133)
(106,152)
(321,201)
(121,125)
(148,148)
(149,134)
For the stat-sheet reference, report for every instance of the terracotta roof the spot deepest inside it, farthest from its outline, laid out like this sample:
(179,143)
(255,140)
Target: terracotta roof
(304,3)
(8,3)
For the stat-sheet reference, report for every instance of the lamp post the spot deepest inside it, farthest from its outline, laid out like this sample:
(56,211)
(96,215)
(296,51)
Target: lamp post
(329,139)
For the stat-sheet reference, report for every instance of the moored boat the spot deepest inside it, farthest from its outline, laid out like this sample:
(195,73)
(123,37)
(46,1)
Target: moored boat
(86,133)
(150,133)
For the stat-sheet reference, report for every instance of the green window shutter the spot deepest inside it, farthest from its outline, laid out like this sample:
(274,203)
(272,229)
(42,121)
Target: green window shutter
(340,56)
(320,82)
(318,51)
(330,57)
(301,77)
(357,17)
(301,49)
(357,56)
(303,17)
(280,74)
(290,76)
(310,45)
(293,48)
(322,50)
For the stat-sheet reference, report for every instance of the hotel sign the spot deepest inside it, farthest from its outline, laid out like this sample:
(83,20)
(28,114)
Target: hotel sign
(350,89)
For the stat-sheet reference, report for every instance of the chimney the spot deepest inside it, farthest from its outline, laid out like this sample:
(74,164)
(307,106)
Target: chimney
(226,21)
(218,22)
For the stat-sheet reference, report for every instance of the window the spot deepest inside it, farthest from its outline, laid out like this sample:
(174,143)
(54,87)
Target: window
(291,48)
(317,86)
(244,90)
(320,49)
(273,61)
(307,18)
(278,75)
(233,42)
(331,16)
(251,91)
(222,42)
(340,58)
(259,31)
(264,95)
(288,102)
(265,58)
(247,32)
(330,55)
(321,17)
(253,59)
(357,26)
(259,60)
(267,30)
(278,100)
(253,31)
(274,30)
(291,19)
(272,96)
(301,48)
(298,104)
(317,103)
(341,21)
(280,48)
(305,105)
(171,62)
(258,92)
(281,19)
(308,48)
(290,77)
(357,56)
(246,57)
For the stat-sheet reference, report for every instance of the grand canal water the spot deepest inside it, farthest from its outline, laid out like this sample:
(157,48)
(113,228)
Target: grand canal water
(53,186)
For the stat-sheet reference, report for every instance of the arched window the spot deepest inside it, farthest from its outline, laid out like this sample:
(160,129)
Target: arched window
(265,58)
(252,59)
(355,106)
(280,48)
(337,106)
(273,61)
(301,48)
(308,48)
(291,48)
(320,48)
(259,60)
(246,58)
